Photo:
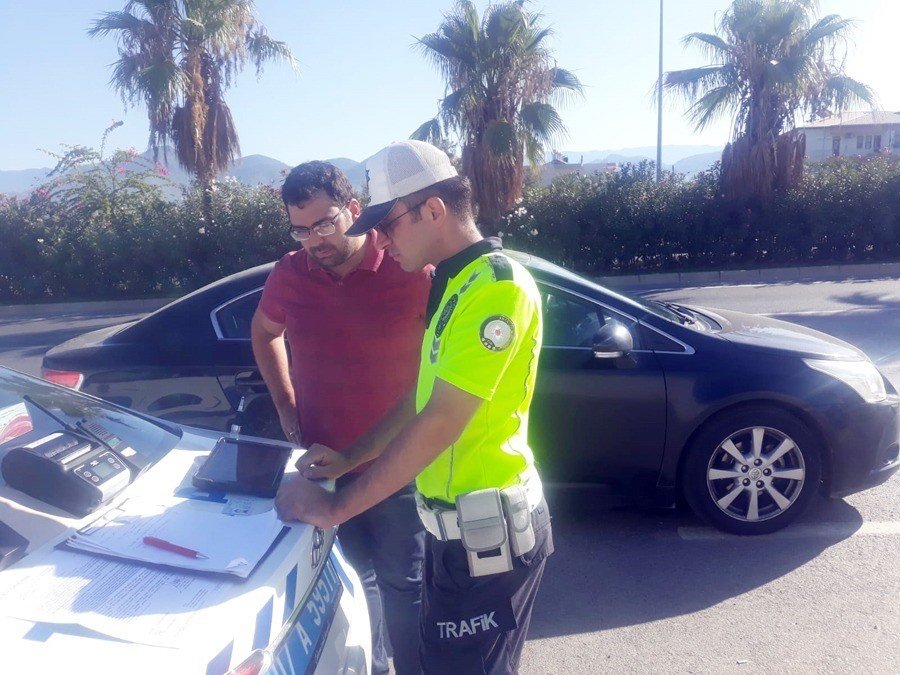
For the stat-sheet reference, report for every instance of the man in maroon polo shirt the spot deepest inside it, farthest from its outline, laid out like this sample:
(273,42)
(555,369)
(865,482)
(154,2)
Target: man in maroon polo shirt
(354,321)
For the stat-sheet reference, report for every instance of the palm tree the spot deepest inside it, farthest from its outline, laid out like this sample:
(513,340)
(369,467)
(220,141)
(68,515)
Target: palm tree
(773,62)
(178,57)
(500,78)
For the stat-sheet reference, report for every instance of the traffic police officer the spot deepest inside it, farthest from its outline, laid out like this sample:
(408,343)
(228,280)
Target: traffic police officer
(463,432)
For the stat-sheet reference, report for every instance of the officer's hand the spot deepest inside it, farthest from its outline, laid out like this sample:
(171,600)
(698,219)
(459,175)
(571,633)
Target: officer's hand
(320,461)
(289,424)
(301,499)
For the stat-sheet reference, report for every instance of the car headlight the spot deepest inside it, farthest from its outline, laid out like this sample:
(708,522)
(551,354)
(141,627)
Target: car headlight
(863,376)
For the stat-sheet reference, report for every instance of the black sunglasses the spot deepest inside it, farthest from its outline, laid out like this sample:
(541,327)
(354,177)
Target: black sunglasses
(384,226)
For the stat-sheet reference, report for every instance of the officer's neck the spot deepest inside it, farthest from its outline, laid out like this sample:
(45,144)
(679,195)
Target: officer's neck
(456,240)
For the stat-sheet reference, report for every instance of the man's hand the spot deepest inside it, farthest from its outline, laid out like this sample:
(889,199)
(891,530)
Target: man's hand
(289,424)
(301,499)
(320,461)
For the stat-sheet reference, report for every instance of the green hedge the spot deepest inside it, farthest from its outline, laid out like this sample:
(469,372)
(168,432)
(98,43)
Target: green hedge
(845,210)
(110,234)
(146,247)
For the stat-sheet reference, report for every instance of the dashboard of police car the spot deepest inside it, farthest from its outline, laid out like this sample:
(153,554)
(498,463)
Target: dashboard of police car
(69,460)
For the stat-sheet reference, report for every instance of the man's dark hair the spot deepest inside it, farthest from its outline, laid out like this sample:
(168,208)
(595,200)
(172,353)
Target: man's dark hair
(456,193)
(305,180)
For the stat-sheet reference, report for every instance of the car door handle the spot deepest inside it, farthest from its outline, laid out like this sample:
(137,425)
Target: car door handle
(249,378)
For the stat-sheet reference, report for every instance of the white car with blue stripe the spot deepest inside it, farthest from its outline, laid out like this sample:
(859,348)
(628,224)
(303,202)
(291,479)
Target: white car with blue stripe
(302,610)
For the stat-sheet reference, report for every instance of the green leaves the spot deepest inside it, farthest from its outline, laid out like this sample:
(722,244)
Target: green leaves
(501,79)
(542,121)
(125,22)
(262,48)
(713,104)
(100,227)
(178,58)
(429,131)
(775,58)
(712,46)
(566,79)
(842,210)
(773,63)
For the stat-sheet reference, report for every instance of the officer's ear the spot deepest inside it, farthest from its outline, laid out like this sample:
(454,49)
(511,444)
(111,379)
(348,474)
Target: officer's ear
(434,209)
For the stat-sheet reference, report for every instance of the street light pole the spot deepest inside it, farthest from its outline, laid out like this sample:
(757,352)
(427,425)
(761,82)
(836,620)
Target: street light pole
(659,98)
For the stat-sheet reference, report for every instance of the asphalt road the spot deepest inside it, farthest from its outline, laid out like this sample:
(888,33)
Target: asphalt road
(25,337)
(630,590)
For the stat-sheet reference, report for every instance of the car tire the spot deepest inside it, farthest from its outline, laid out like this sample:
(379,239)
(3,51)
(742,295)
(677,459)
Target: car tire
(752,471)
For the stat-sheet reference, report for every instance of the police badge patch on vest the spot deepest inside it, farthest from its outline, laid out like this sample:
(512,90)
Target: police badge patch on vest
(497,333)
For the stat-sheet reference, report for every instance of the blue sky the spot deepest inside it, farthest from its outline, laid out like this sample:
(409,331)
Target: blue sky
(362,84)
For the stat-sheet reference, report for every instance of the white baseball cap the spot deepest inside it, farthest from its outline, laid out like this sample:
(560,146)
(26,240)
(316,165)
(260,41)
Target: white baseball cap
(396,171)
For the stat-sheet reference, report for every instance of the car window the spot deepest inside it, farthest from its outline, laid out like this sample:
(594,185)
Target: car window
(234,318)
(572,321)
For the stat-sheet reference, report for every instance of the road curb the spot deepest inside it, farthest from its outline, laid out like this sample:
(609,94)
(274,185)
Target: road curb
(105,307)
(758,276)
(636,281)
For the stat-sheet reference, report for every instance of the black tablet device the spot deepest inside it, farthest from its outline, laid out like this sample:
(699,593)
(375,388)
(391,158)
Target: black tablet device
(247,467)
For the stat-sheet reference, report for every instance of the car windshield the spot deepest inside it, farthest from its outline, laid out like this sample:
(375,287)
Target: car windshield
(23,420)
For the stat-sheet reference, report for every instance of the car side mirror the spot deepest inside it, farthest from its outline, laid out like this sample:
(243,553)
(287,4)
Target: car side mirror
(612,341)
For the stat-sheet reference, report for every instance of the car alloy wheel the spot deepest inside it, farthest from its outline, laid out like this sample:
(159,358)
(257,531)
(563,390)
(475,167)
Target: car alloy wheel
(756,474)
(752,470)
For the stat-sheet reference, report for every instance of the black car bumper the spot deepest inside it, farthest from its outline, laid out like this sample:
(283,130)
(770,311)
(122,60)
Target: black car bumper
(867,451)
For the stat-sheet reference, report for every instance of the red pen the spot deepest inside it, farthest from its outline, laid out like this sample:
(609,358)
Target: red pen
(174,548)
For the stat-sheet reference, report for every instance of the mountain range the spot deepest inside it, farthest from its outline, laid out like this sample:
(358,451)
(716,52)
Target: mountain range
(256,169)
(686,159)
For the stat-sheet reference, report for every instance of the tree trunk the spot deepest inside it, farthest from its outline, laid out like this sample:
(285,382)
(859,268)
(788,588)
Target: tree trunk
(760,170)
(206,178)
(790,150)
(496,184)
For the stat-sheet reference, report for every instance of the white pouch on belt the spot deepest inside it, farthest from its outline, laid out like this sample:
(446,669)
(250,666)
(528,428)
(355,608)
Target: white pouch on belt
(482,529)
(518,518)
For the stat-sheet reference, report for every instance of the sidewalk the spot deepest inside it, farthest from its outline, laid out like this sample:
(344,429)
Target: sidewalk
(637,282)
(753,276)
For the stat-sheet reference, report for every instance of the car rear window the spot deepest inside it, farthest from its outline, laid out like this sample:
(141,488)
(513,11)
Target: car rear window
(233,319)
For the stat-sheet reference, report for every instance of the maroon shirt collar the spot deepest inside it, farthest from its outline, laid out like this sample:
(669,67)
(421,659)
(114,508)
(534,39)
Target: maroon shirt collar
(370,263)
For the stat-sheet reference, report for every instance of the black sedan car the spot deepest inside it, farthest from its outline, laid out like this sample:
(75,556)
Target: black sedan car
(746,417)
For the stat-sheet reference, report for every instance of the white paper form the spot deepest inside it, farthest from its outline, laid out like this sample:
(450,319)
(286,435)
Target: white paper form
(232,544)
(119,599)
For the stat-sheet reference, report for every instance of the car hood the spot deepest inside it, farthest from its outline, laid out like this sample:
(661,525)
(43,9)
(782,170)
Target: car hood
(762,333)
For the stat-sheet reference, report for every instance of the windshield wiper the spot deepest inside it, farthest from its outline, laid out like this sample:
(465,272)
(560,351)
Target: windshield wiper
(78,429)
(690,317)
(683,317)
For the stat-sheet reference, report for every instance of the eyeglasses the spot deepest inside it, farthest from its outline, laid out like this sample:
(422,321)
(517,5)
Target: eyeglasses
(385,227)
(323,229)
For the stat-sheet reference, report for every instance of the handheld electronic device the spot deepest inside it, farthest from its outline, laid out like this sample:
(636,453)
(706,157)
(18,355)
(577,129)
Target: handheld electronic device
(68,471)
(246,467)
